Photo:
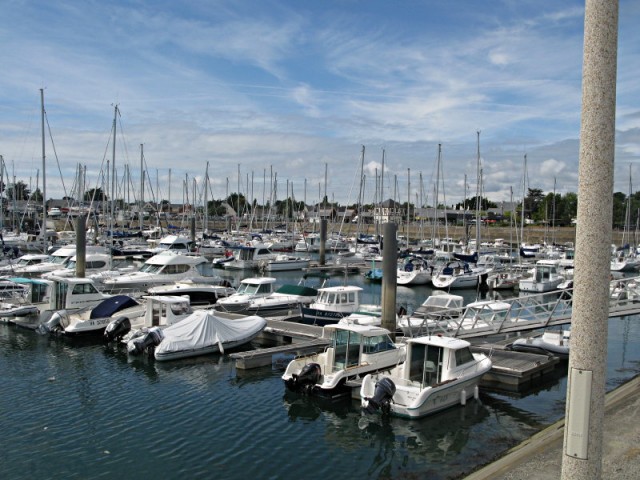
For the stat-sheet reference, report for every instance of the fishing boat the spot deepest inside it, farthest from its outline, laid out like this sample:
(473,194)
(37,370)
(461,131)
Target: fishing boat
(439,372)
(333,303)
(546,277)
(355,350)
(203,332)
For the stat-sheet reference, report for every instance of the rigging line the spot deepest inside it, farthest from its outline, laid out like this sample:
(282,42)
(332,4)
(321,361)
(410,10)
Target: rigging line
(55,153)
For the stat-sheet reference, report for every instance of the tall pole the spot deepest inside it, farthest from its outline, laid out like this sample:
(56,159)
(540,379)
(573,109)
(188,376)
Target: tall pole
(582,452)
(43,229)
(140,214)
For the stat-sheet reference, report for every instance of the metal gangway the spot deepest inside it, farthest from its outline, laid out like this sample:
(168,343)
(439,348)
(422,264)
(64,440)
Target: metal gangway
(524,313)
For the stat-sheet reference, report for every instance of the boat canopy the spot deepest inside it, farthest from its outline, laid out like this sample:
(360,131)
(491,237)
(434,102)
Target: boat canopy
(111,306)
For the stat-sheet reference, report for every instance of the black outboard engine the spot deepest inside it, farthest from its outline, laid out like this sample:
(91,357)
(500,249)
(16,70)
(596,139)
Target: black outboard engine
(382,395)
(117,329)
(306,379)
(149,339)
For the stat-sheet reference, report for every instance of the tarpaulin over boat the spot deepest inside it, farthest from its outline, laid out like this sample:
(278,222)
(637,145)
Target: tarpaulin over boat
(111,306)
(204,332)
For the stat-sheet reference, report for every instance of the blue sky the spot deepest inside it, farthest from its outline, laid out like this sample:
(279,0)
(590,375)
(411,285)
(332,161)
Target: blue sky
(297,87)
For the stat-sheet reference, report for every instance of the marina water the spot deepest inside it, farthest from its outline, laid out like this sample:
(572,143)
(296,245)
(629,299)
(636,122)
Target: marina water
(81,409)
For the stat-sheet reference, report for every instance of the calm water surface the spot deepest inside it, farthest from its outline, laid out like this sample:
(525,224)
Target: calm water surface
(84,410)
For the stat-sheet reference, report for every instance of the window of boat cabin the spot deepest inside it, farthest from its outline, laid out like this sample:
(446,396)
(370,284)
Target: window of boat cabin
(80,288)
(38,292)
(425,366)
(264,288)
(379,343)
(463,356)
(346,347)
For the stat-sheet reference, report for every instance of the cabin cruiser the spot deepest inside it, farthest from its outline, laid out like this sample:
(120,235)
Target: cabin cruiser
(57,259)
(172,243)
(94,263)
(283,262)
(436,310)
(439,372)
(46,296)
(286,300)
(25,260)
(354,350)
(161,269)
(249,290)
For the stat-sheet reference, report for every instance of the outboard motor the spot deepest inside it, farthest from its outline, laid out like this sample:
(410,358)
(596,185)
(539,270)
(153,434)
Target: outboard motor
(150,338)
(382,395)
(306,379)
(53,326)
(117,329)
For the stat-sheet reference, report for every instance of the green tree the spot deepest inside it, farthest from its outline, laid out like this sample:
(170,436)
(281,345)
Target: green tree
(95,194)
(18,191)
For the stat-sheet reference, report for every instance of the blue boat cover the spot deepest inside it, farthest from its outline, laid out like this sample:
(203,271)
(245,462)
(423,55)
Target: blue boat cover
(110,306)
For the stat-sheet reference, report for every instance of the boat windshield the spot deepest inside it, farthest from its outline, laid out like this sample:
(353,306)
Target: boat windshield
(59,260)
(425,366)
(149,268)
(377,344)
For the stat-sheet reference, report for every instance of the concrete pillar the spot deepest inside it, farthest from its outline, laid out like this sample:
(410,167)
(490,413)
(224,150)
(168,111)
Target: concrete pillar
(81,246)
(582,452)
(389,277)
(323,241)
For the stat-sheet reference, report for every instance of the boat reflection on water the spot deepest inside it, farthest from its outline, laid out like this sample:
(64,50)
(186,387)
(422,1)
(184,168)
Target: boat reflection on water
(311,407)
(432,439)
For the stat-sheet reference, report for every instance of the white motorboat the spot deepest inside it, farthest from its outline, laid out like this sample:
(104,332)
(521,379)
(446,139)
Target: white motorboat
(437,309)
(554,342)
(504,280)
(439,372)
(333,303)
(458,274)
(94,263)
(546,277)
(284,262)
(93,320)
(172,243)
(203,332)
(200,294)
(414,270)
(57,259)
(162,269)
(355,350)
(249,257)
(286,300)
(160,311)
(47,296)
(23,261)
(249,290)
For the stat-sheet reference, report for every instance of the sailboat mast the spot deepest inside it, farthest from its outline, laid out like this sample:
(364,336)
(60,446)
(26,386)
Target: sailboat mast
(140,214)
(478,194)
(43,228)
(113,172)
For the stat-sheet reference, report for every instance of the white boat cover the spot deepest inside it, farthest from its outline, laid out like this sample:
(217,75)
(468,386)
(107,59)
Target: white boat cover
(202,330)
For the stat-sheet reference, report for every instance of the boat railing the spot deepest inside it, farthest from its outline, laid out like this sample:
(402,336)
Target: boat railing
(535,311)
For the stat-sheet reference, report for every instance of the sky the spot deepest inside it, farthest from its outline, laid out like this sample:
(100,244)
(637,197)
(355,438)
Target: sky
(246,94)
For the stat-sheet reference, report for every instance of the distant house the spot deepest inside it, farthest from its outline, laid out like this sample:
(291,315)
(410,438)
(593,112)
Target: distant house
(388,211)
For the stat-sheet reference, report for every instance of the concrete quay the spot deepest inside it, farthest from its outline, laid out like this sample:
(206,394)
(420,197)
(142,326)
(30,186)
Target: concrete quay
(540,457)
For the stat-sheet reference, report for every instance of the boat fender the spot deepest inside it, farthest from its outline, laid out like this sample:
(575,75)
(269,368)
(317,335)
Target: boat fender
(116,329)
(463,397)
(383,394)
(476,392)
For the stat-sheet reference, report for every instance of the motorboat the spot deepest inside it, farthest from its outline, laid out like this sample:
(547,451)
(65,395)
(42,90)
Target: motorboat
(160,311)
(249,257)
(504,280)
(25,260)
(437,309)
(46,296)
(309,243)
(414,270)
(12,290)
(172,243)
(249,289)
(546,277)
(285,301)
(200,294)
(93,320)
(331,304)
(57,259)
(283,262)
(94,263)
(457,274)
(203,332)
(439,372)
(354,350)
(551,342)
(162,269)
